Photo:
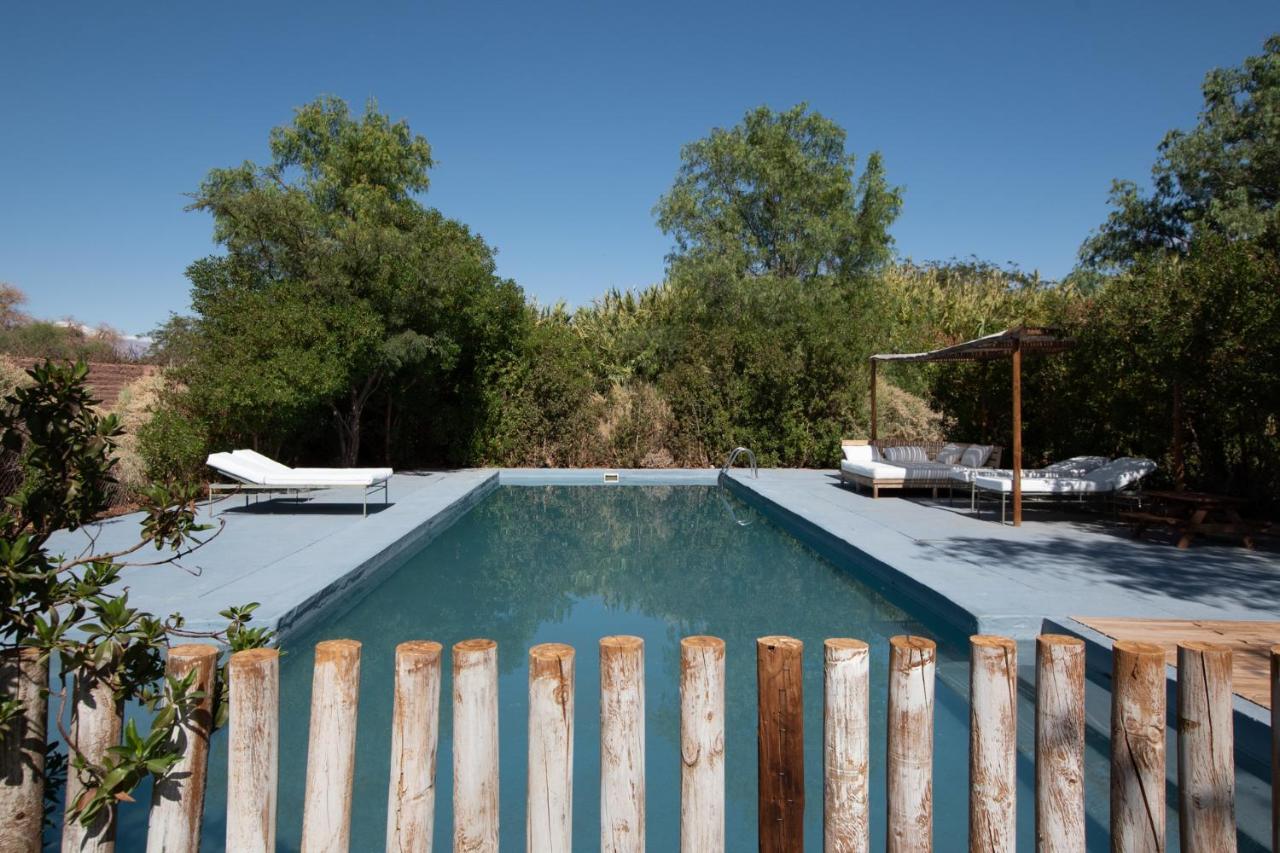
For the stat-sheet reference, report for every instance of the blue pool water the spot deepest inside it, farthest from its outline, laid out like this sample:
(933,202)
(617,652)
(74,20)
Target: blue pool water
(573,564)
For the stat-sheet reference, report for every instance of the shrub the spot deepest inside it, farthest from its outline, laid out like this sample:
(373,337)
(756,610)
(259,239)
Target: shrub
(172,444)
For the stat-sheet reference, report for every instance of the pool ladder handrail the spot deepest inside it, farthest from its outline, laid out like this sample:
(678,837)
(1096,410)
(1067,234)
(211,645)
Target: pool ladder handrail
(733,457)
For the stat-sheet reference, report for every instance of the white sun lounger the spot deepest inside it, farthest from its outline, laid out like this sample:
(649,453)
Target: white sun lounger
(254,472)
(1108,479)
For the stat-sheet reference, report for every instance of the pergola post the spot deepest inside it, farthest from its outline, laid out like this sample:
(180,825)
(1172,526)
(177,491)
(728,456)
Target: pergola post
(1179,457)
(1017,431)
(873,399)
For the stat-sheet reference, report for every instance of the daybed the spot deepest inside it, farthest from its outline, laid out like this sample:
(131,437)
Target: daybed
(254,472)
(910,465)
(1107,480)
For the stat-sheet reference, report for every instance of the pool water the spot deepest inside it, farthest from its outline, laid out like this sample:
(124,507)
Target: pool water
(572,564)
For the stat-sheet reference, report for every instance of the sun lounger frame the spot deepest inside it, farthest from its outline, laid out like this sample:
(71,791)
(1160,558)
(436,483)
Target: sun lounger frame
(298,488)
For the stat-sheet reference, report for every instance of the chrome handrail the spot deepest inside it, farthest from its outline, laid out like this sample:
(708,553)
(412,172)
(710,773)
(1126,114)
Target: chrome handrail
(733,457)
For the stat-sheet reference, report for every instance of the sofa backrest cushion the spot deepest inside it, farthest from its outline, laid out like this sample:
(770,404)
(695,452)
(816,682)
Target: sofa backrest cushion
(949,454)
(858,452)
(975,455)
(906,453)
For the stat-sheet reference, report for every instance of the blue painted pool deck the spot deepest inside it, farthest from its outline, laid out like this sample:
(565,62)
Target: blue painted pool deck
(294,558)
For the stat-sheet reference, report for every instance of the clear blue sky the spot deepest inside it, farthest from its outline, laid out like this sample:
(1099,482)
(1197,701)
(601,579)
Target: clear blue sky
(557,125)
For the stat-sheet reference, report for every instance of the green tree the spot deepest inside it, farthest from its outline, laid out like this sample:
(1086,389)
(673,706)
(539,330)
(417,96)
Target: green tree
(337,284)
(72,608)
(777,195)
(1223,176)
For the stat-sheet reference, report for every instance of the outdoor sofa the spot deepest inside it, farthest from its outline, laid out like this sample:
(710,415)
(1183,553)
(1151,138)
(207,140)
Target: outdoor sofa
(1104,481)
(256,473)
(896,464)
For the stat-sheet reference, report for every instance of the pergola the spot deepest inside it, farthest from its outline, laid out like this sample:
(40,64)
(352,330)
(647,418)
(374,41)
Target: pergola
(1011,344)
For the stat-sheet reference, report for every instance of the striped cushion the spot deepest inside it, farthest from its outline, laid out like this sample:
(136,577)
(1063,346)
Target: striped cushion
(974,455)
(906,453)
(950,454)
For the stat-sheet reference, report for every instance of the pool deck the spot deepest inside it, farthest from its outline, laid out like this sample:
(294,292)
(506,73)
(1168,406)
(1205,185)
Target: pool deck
(985,577)
(293,558)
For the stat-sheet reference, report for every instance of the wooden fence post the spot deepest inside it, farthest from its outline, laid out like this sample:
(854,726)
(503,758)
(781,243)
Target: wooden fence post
(1060,826)
(846,745)
(177,799)
(909,772)
(780,743)
(1206,749)
(253,705)
(549,816)
(23,677)
(475,746)
(702,745)
(622,789)
(415,722)
(1137,747)
(95,726)
(993,743)
(331,747)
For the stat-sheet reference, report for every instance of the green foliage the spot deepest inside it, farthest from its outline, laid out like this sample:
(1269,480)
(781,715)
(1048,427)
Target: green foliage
(338,292)
(174,442)
(72,608)
(39,339)
(776,195)
(1221,177)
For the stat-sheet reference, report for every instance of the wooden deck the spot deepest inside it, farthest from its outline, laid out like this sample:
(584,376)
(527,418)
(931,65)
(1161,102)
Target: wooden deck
(1250,644)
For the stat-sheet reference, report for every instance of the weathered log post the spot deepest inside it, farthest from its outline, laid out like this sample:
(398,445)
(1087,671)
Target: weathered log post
(993,743)
(1060,826)
(177,799)
(780,743)
(1138,711)
(702,745)
(846,746)
(622,780)
(475,746)
(96,717)
(331,747)
(909,772)
(549,816)
(23,678)
(415,726)
(1206,749)
(253,753)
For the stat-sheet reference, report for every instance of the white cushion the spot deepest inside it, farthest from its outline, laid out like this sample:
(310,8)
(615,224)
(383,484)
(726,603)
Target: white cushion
(1121,473)
(874,470)
(858,452)
(1078,465)
(974,455)
(1039,485)
(246,469)
(266,463)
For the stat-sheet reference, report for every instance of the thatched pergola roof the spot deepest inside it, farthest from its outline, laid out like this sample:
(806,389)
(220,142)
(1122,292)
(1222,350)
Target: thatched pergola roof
(1000,345)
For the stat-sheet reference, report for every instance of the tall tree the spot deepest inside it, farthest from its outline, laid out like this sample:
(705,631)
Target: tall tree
(1223,176)
(336,280)
(777,195)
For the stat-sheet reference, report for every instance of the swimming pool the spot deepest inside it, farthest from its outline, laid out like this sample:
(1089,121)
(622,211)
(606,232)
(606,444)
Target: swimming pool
(572,564)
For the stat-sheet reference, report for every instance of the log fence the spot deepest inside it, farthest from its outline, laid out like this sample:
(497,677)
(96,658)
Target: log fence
(1137,777)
